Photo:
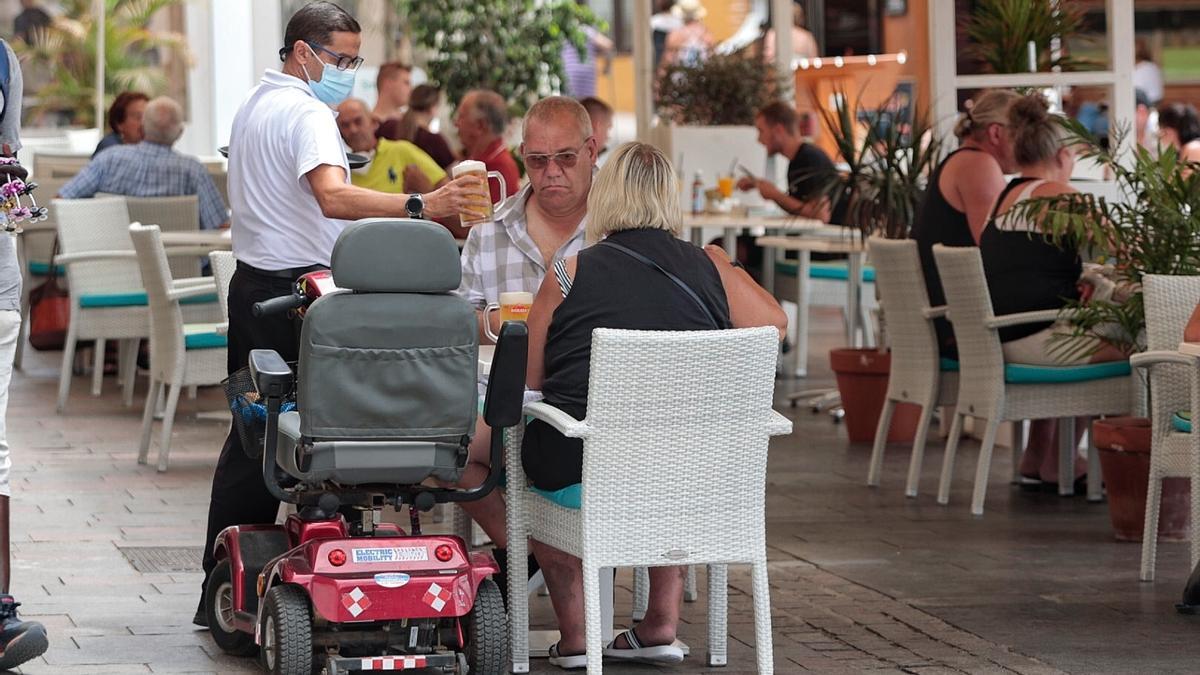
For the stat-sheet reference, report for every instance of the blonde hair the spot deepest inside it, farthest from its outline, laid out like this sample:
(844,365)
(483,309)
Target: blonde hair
(1037,134)
(636,189)
(990,107)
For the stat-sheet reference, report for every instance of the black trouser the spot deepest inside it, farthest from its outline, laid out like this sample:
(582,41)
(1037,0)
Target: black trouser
(239,496)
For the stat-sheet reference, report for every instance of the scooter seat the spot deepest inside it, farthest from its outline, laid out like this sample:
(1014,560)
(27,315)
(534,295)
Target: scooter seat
(364,462)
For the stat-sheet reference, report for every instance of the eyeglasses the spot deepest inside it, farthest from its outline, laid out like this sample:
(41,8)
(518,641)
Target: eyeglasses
(343,62)
(564,160)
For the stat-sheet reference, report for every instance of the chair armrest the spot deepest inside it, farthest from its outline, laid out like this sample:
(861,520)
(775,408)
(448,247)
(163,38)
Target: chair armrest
(934,312)
(189,292)
(1024,317)
(568,426)
(1161,357)
(92,256)
(778,425)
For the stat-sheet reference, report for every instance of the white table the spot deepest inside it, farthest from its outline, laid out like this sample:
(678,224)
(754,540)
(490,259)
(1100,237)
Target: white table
(732,224)
(825,242)
(216,240)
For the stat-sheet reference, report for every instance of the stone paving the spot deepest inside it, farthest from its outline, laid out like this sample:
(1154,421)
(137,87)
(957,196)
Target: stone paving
(862,580)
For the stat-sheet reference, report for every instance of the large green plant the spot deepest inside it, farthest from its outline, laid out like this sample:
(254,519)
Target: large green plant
(68,48)
(513,47)
(1001,31)
(1154,228)
(888,163)
(722,89)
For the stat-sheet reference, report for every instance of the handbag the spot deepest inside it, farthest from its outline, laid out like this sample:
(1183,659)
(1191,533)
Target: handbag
(49,311)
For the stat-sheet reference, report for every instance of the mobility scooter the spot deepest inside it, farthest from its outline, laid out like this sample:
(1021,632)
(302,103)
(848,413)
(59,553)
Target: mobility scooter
(386,401)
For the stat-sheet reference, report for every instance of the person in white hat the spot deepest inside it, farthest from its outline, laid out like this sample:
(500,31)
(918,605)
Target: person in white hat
(692,43)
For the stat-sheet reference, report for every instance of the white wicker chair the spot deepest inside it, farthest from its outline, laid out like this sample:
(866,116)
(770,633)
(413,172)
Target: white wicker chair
(170,214)
(678,484)
(984,391)
(99,258)
(916,375)
(223,266)
(181,355)
(1174,386)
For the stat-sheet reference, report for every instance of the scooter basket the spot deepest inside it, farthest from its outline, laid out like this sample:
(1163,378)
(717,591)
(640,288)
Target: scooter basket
(249,411)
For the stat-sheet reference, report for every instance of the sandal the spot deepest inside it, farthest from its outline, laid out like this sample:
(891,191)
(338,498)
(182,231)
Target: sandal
(658,655)
(569,662)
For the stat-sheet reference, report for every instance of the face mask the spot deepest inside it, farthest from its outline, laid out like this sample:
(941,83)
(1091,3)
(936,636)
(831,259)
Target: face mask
(334,86)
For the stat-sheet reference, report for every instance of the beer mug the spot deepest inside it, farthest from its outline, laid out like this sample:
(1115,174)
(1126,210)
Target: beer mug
(478,168)
(513,306)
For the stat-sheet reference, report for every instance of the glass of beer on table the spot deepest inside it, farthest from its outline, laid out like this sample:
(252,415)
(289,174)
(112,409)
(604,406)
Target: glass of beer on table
(486,211)
(513,306)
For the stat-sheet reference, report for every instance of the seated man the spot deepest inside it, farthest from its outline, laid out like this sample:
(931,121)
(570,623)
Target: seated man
(543,224)
(396,166)
(809,168)
(152,168)
(481,120)
(601,115)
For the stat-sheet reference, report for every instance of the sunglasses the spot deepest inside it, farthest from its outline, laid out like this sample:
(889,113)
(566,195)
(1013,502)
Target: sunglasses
(564,160)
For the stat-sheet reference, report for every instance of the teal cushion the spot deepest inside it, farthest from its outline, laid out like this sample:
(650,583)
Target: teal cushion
(568,497)
(42,269)
(136,300)
(204,341)
(1021,373)
(947,365)
(834,271)
(1182,421)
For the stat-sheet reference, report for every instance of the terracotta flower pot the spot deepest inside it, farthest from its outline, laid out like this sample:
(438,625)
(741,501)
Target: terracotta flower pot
(862,378)
(1124,445)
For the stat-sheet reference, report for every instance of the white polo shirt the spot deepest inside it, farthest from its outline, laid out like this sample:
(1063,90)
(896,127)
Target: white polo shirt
(280,133)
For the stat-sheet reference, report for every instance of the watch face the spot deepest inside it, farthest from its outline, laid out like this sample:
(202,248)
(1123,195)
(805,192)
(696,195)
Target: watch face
(415,205)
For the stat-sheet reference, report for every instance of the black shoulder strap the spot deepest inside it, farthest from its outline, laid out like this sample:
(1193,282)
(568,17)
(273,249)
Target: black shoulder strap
(678,282)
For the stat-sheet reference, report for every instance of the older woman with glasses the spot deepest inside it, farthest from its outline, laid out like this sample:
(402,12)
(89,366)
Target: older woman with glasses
(629,279)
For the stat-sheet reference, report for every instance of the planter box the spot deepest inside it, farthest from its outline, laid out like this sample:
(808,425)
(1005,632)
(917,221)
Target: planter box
(862,378)
(1124,445)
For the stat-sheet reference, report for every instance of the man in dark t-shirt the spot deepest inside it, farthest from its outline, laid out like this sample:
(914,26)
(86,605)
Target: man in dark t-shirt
(810,171)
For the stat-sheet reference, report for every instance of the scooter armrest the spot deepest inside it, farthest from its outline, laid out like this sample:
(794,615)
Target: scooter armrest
(272,376)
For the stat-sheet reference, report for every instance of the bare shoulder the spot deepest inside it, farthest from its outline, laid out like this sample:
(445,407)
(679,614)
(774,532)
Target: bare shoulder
(1051,188)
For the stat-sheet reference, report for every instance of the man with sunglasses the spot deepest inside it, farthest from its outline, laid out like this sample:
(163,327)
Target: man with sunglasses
(291,197)
(540,225)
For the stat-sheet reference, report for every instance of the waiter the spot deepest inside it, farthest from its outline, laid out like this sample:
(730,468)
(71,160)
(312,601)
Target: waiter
(291,196)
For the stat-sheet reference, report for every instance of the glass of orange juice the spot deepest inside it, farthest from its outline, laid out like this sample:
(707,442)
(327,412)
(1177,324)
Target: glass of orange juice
(725,185)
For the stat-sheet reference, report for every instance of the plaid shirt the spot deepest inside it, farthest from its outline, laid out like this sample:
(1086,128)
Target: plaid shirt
(149,170)
(500,256)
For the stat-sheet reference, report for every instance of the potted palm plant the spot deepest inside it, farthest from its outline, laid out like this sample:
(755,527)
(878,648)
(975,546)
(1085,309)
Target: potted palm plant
(888,160)
(1153,229)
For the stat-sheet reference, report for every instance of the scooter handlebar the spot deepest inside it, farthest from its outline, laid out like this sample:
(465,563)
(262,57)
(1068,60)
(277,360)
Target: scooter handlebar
(278,305)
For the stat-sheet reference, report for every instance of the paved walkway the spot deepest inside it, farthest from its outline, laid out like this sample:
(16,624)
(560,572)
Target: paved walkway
(861,580)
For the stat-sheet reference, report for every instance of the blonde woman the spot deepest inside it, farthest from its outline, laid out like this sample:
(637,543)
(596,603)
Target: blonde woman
(962,189)
(623,281)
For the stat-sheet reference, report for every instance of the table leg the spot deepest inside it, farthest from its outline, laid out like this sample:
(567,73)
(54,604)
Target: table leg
(731,242)
(768,271)
(697,235)
(803,268)
(853,297)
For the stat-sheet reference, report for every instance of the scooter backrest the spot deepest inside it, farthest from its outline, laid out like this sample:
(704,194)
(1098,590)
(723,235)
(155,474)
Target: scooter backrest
(394,355)
(396,255)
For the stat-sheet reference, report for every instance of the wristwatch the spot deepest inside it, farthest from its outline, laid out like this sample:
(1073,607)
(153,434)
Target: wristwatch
(415,205)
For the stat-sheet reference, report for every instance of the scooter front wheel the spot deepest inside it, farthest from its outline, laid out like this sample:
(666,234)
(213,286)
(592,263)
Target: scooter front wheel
(286,630)
(487,632)
(218,604)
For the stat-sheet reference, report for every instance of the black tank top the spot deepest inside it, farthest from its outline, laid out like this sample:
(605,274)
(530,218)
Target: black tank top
(940,223)
(1026,271)
(613,290)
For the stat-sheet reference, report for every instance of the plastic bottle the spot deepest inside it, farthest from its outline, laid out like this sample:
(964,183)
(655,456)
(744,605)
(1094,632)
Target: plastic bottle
(698,194)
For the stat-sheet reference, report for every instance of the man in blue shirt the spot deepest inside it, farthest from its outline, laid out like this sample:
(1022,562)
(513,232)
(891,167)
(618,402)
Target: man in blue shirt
(152,168)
